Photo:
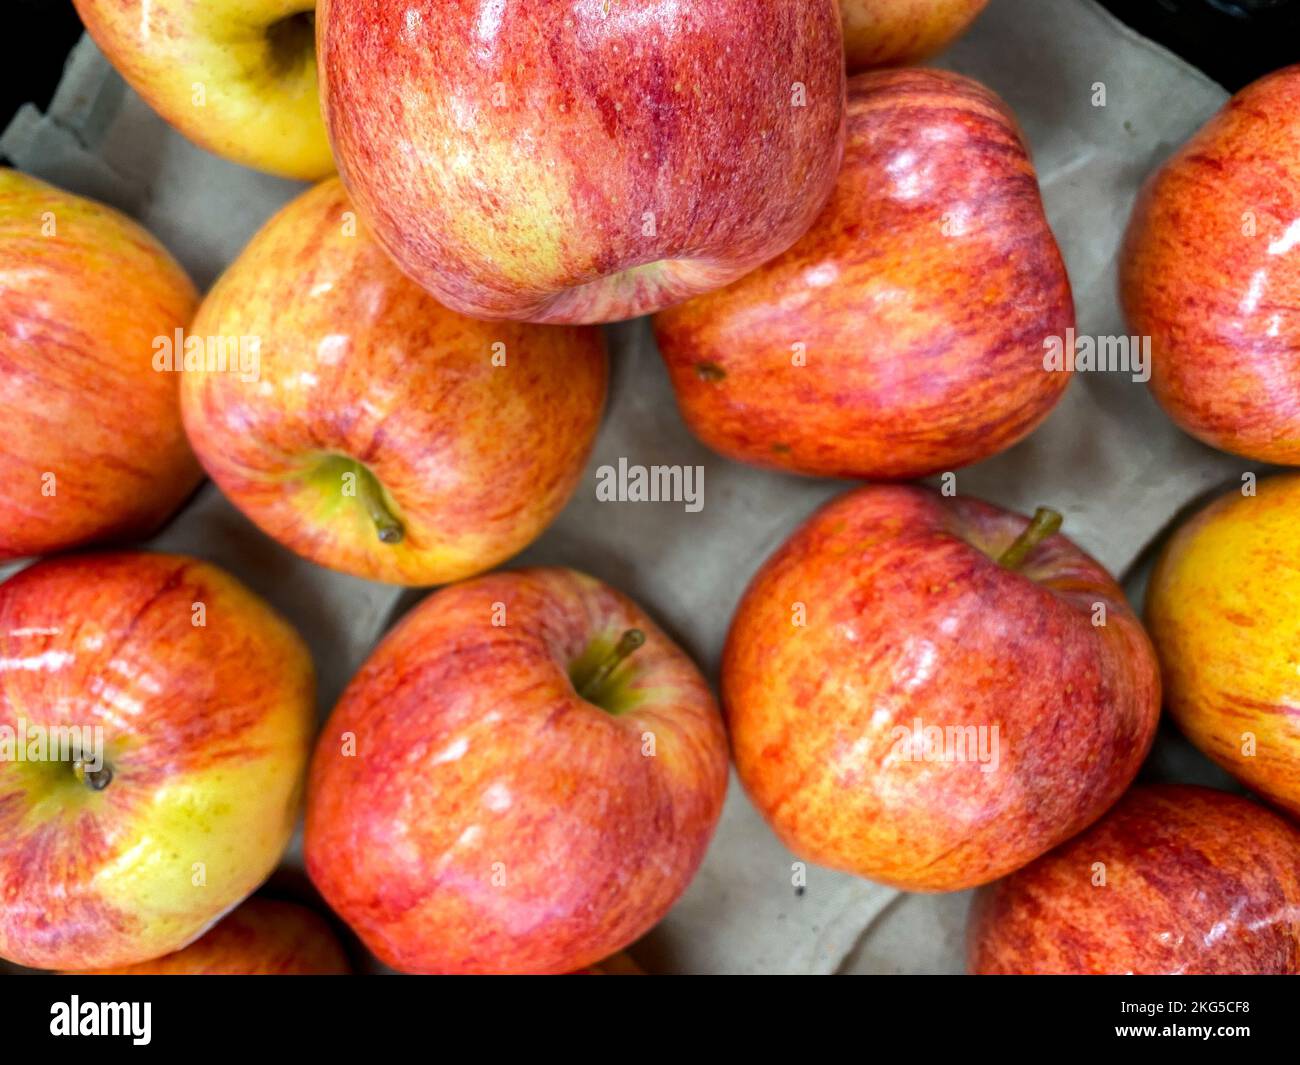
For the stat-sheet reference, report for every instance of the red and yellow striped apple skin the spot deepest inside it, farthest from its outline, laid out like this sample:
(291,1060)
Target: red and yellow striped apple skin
(206,730)
(1210,271)
(583,162)
(1196,882)
(94,448)
(906,617)
(262,937)
(485,818)
(886,33)
(904,334)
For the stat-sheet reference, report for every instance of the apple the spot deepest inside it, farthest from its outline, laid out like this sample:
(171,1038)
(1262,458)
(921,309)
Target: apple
(1223,608)
(620,964)
(1210,271)
(371,429)
(93,449)
(237,77)
(903,335)
(880,33)
(155,723)
(586,161)
(930,692)
(1174,880)
(261,938)
(523,778)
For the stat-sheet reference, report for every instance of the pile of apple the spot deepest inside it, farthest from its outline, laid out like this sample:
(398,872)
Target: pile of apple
(852,276)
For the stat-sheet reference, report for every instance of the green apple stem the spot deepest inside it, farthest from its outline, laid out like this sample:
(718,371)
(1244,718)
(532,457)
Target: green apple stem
(95,779)
(371,495)
(627,643)
(1045,522)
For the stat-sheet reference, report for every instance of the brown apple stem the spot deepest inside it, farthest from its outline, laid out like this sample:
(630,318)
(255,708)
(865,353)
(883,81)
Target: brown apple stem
(95,779)
(627,643)
(1045,522)
(371,495)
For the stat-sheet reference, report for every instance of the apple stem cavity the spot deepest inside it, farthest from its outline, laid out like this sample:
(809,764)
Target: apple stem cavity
(371,496)
(1045,522)
(94,779)
(627,643)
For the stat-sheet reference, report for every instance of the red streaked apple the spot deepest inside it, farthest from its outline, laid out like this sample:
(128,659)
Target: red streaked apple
(1223,607)
(382,434)
(904,333)
(94,449)
(931,692)
(1174,880)
(237,77)
(1210,271)
(155,723)
(587,161)
(879,33)
(262,937)
(523,778)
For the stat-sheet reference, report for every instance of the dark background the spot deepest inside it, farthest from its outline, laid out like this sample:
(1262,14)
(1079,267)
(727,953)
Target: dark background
(1234,41)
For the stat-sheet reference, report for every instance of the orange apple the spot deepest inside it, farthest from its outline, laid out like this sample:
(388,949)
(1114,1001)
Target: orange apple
(261,938)
(155,722)
(903,334)
(881,33)
(1223,607)
(94,449)
(377,432)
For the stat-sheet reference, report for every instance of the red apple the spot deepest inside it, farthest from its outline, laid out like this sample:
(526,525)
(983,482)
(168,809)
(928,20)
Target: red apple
(1210,271)
(1174,880)
(587,161)
(510,785)
(378,432)
(93,449)
(155,722)
(880,33)
(904,333)
(261,938)
(932,692)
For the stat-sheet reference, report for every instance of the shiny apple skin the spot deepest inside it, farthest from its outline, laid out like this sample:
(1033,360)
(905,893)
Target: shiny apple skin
(207,731)
(1197,882)
(909,617)
(79,311)
(256,111)
(475,757)
(1223,609)
(642,152)
(881,33)
(921,352)
(262,937)
(357,360)
(1222,307)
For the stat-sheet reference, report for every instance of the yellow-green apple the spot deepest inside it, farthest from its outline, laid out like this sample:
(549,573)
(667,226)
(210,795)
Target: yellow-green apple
(931,692)
(523,778)
(1223,607)
(1210,271)
(879,33)
(94,449)
(904,333)
(261,938)
(237,77)
(583,162)
(155,723)
(1174,880)
(381,433)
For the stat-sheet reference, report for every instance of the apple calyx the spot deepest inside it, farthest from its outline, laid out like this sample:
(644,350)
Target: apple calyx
(1045,522)
(371,496)
(590,686)
(96,779)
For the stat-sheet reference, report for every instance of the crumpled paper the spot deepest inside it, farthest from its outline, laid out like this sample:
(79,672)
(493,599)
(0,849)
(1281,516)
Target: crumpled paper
(1107,458)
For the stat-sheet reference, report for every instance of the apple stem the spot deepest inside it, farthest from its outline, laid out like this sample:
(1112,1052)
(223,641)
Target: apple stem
(95,779)
(627,643)
(1045,522)
(371,495)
